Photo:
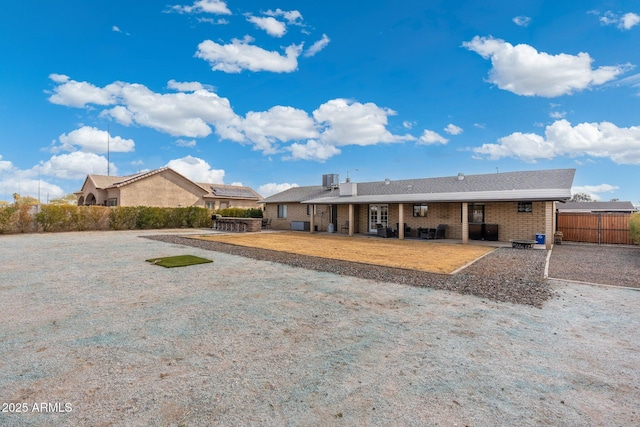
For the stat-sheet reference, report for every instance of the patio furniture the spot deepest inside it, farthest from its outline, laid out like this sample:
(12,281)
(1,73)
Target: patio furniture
(427,233)
(522,243)
(345,227)
(384,231)
(441,231)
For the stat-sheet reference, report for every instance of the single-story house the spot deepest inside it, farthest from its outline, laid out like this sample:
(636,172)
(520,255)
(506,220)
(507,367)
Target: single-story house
(591,207)
(163,187)
(498,206)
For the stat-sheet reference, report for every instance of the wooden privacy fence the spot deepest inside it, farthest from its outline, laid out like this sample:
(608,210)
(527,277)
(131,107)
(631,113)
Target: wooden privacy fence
(595,227)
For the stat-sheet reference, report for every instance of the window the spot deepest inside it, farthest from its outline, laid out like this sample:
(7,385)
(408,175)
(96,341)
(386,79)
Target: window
(420,210)
(112,202)
(475,213)
(525,206)
(309,209)
(282,211)
(211,205)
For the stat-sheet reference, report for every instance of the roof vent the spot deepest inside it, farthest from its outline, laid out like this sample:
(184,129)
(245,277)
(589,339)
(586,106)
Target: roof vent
(330,180)
(387,181)
(460,176)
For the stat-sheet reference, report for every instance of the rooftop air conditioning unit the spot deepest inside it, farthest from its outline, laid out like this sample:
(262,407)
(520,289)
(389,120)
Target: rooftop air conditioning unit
(330,180)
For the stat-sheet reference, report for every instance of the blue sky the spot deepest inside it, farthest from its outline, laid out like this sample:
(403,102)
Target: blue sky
(273,94)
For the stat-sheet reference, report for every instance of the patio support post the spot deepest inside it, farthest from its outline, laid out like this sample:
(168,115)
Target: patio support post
(312,218)
(465,223)
(548,224)
(351,219)
(401,221)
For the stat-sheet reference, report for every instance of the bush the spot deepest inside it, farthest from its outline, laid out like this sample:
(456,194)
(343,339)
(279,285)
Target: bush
(123,217)
(6,218)
(634,226)
(240,212)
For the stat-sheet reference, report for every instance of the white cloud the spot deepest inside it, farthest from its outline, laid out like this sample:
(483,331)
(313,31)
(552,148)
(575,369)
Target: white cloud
(76,165)
(93,140)
(594,190)
(317,46)
(272,26)
(312,150)
(603,140)
(5,165)
(241,55)
(78,94)
(452,129)
(522,21)
(430,137)
(624,22)
(629,20)
(217,7)
(523,70)
(633,81)
(116,29)
(199,112)
(186,143)
(345,122)
(279,123)
(557,114)
(197,170)
(272,188)
(293,17)
(185,86)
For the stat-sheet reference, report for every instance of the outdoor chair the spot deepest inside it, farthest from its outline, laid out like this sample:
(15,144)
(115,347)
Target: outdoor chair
(345,227)
(427,233)
(441,231)
(384,231)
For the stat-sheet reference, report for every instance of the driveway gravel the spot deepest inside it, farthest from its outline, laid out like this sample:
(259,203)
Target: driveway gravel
(91,334)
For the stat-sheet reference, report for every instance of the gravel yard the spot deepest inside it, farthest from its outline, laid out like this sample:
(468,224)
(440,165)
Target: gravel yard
(103,338)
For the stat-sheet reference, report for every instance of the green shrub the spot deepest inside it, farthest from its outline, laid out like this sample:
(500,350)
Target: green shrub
(56,217)
(22,218)
(151,218)
(6,221)
(634,226)
(253,213)
(123,217)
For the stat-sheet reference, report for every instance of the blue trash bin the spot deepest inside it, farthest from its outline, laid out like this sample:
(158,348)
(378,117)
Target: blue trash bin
(540,238)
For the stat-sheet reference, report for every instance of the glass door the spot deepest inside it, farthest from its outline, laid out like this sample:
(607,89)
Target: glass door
(378,214)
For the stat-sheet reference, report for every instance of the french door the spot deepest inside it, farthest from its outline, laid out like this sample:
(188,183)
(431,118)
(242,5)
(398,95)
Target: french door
(378,214)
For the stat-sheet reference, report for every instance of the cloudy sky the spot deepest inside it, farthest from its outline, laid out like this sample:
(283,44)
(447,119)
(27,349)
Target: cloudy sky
(273,94)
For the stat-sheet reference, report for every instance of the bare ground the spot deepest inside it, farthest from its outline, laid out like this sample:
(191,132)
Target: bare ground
(86,322)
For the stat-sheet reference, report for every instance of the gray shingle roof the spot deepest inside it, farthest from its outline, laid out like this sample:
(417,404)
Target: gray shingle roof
(552,184)
(596,207)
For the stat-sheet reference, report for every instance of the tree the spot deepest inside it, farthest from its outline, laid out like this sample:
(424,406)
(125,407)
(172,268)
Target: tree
(581,197)
(69,199)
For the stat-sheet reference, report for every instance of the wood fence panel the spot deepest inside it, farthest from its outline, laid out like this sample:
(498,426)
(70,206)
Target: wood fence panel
(600,227)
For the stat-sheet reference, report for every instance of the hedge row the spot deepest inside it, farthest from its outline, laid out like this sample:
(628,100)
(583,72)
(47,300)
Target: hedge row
(24,218)
(634,226)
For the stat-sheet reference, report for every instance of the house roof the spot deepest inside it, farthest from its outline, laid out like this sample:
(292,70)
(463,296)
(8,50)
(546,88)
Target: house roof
(230,191)
(553,184)
(597,207)
(208,190)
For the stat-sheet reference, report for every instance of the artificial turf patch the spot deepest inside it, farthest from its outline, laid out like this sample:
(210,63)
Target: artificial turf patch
(178,261)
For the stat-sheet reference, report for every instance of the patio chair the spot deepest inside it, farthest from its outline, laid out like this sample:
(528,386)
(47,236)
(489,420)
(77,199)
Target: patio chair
(441,231)
(384,231)
(345,227)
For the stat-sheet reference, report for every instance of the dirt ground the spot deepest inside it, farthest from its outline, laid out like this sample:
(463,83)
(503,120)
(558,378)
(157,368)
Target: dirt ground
(91,334)
(434,257)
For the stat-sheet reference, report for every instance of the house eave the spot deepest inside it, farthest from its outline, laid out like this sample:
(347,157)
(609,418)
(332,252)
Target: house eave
(475,196)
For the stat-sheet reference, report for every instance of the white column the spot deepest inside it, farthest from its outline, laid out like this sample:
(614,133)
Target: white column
(350,219)
(465,223)
(401,221)
(312,215)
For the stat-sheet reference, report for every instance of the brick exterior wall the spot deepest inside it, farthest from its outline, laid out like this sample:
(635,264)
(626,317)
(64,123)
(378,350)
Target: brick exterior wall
(511,223)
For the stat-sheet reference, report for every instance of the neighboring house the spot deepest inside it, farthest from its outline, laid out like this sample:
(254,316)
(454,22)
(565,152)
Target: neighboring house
(498,206)
(590,207)
(163,188)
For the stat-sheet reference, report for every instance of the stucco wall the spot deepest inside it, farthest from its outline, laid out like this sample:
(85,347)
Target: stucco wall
(161,190)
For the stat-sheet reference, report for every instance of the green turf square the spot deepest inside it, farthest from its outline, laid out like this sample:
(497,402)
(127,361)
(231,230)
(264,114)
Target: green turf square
(178,261)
